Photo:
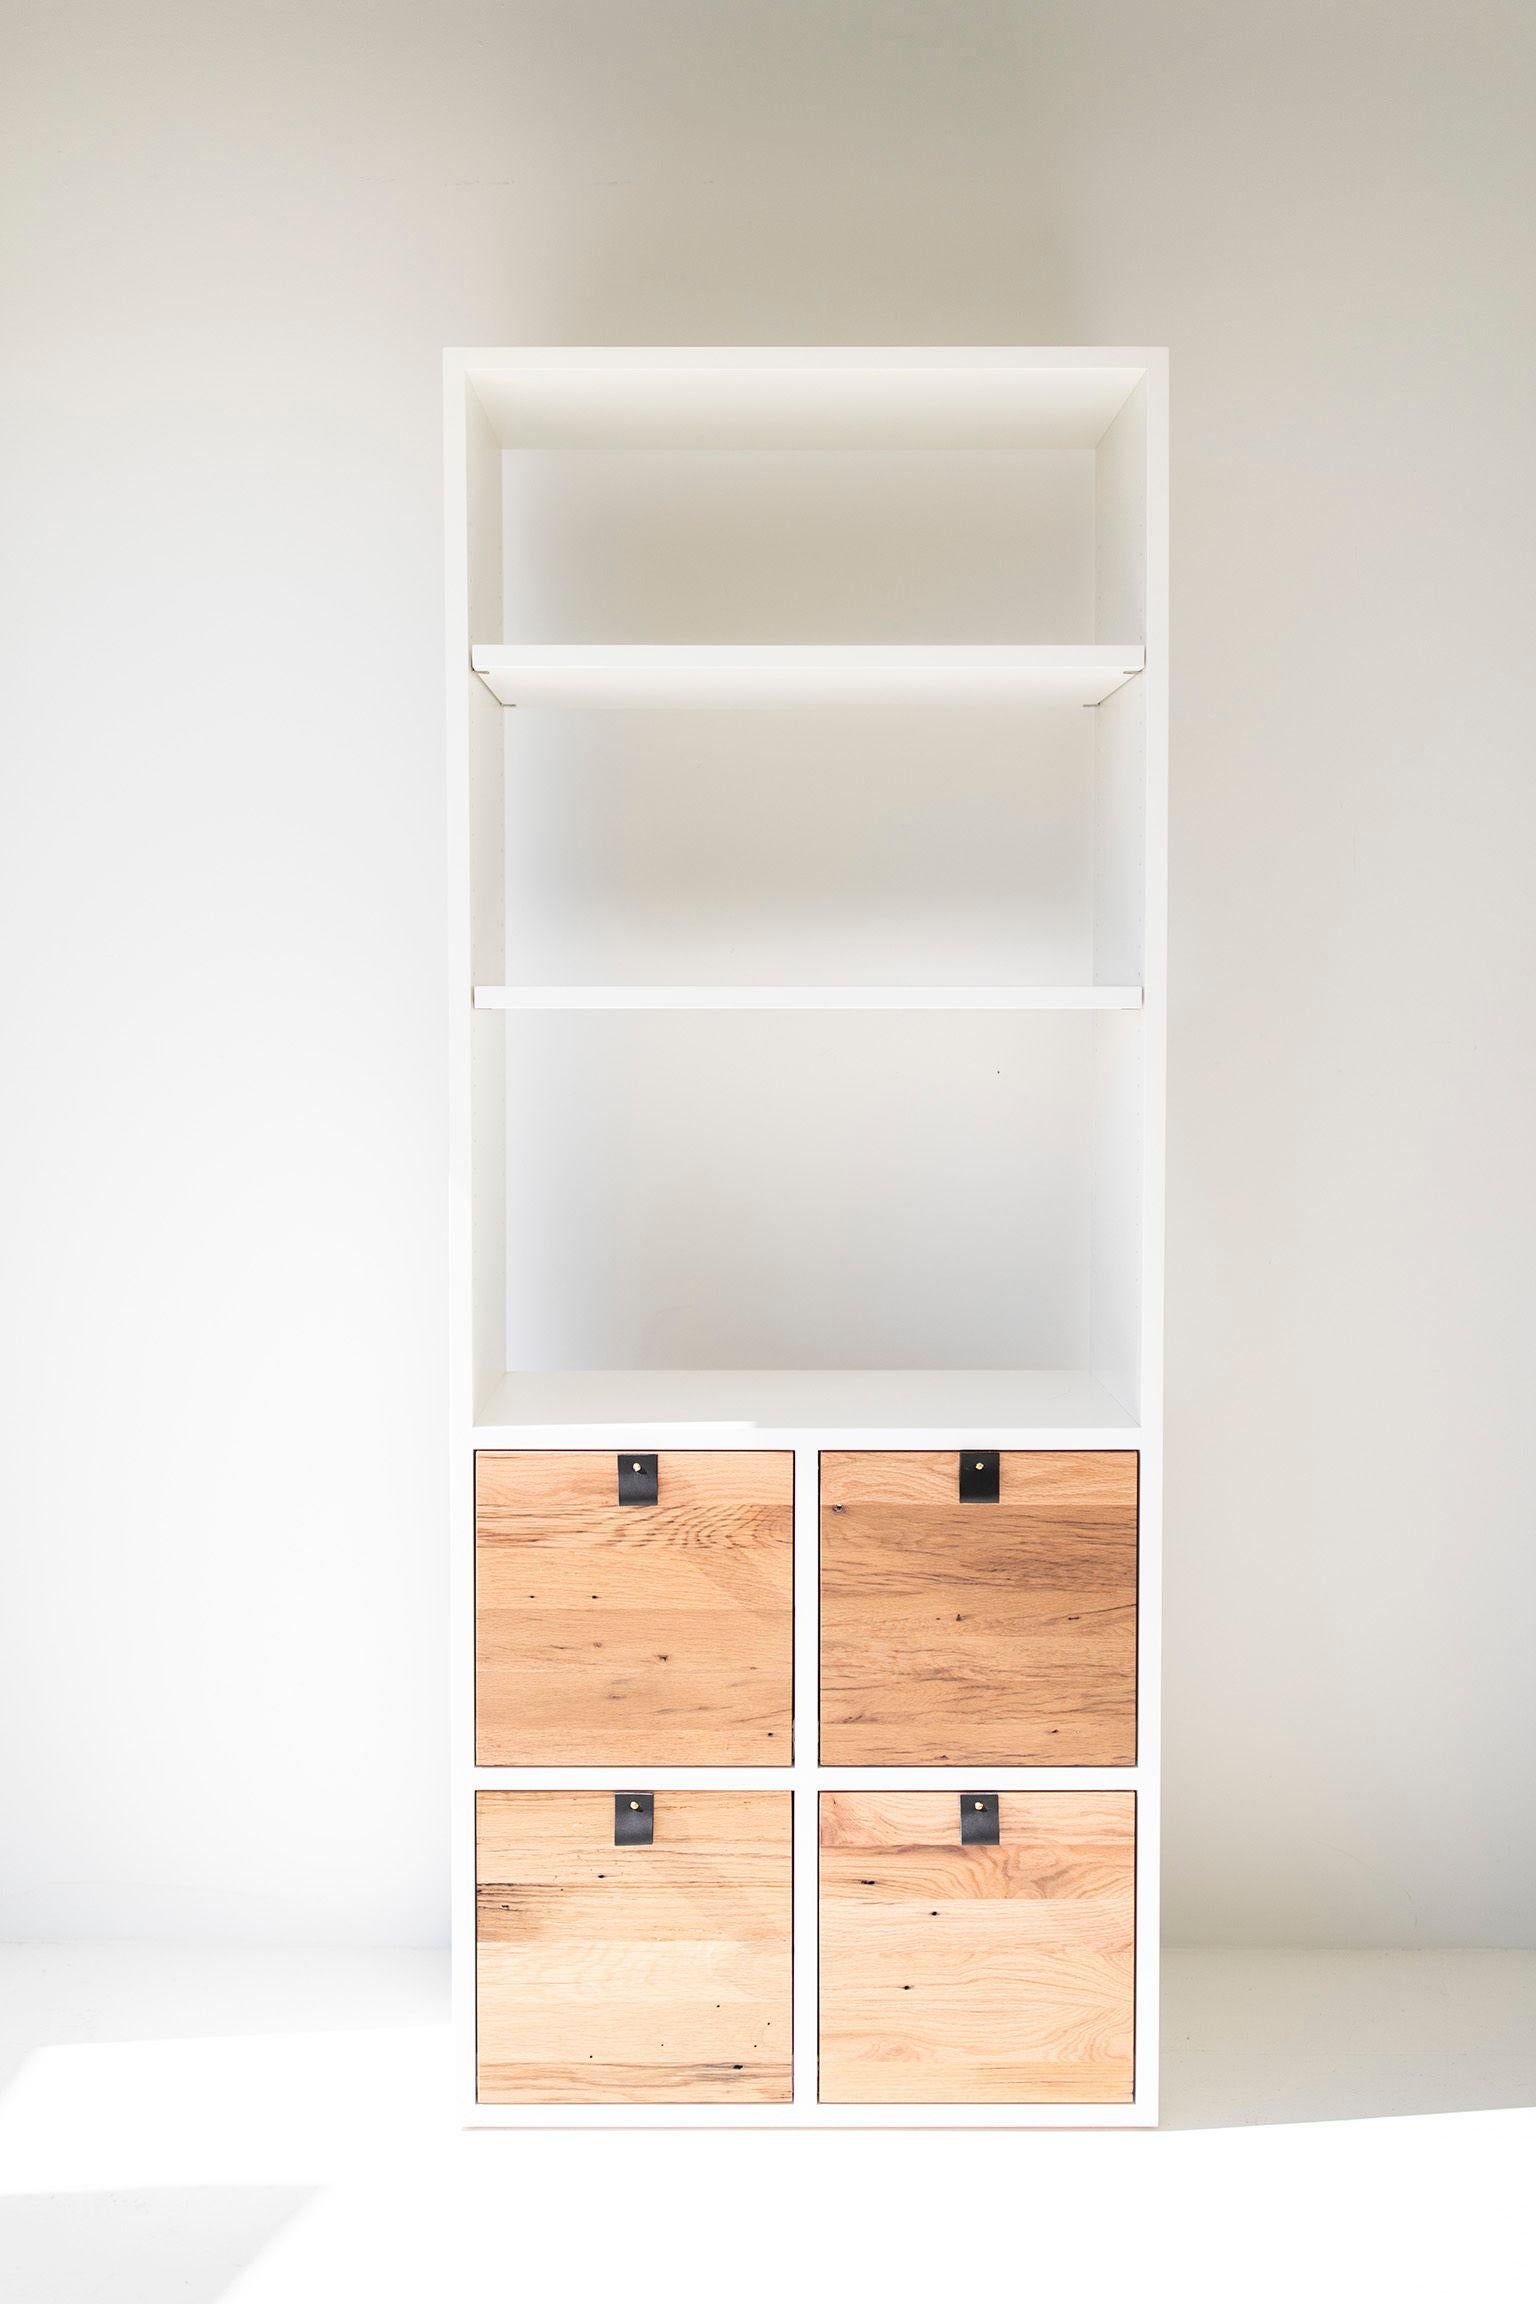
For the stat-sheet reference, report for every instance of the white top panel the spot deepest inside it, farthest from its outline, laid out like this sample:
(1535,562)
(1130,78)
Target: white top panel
(706,1405)
(618,677)
(824,397)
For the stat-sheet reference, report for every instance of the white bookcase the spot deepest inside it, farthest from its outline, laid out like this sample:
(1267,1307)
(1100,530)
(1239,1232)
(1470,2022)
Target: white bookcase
(807,747)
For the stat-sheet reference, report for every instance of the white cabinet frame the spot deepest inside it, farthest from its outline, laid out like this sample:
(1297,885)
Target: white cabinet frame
(1115,404)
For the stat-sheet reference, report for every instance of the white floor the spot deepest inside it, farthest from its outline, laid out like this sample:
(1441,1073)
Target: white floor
(197,2125)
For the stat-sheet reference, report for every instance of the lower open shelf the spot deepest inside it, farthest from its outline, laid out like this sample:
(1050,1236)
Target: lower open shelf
(679,1407)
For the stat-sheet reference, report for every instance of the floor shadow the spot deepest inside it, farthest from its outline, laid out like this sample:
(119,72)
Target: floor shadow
(1255,2038)
(137,2247)
(55,1995)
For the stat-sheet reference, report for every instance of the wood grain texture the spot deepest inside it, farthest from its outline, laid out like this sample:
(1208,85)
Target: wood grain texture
(978,1634)
(623,1636)
(655,1975)
(954,1975)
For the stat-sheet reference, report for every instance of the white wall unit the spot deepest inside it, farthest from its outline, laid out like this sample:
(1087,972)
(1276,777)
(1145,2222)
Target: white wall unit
(809,1060)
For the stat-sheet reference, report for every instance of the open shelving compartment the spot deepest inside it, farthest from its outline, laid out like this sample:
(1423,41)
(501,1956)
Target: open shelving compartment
(808,727)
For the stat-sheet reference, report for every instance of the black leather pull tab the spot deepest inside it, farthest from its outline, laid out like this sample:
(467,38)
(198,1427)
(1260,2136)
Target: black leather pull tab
(980,1823)
(981,1475)
(634,1819)
(637,1479)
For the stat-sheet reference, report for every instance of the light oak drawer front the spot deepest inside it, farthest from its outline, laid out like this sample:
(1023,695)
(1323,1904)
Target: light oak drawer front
(634,1635)
(987,1634)
(955,1974)
(652,1974)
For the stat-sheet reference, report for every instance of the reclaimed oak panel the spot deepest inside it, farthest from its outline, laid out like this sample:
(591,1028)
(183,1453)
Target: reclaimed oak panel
(980,1975)
(978,1634)
(627,1636)
(655,1975)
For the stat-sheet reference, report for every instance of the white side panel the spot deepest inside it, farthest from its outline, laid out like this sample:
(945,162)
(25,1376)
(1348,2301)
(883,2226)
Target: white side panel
(458,976)
(1153,1027)
(1120,546)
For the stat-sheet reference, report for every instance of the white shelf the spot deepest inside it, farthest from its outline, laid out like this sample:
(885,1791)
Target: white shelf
(905,1407)
(699,1235)
(622,677)
(819,997)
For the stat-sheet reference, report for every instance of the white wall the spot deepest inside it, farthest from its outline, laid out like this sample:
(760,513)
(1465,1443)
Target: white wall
(236,237)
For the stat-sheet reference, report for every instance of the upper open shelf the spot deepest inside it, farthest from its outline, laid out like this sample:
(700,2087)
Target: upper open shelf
(623,677)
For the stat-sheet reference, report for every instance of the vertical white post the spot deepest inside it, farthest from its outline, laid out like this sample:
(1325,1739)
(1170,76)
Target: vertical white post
(461,1377)
(1154,1163)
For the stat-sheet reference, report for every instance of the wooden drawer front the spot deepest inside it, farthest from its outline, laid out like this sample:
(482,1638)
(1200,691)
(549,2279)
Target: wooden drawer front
(977,1975)
(635,1975)
(633,1635)
(989,1634)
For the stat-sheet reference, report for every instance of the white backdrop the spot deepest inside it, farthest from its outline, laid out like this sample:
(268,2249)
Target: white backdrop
(236,238)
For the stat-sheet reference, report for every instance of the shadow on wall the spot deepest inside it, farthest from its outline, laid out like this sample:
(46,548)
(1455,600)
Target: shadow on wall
(1260,2038)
